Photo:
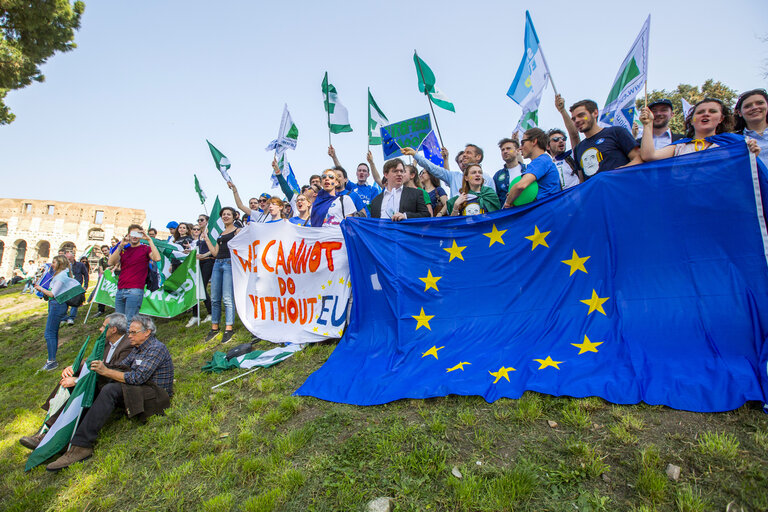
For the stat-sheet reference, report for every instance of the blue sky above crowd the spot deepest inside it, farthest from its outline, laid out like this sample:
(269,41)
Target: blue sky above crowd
(122,120)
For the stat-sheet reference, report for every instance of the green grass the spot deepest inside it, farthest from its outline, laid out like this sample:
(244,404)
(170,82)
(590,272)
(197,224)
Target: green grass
(252,446)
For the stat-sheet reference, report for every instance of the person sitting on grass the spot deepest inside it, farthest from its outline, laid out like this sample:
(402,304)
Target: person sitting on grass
(116,349)
(143,386)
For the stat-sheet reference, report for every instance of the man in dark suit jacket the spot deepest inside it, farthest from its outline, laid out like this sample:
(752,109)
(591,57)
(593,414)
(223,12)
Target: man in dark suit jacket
(398,202)
(116,348)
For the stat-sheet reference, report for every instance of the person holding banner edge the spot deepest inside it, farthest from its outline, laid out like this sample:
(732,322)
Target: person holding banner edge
(222,291)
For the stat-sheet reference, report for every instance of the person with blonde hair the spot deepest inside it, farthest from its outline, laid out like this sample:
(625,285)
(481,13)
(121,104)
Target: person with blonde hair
(56,311)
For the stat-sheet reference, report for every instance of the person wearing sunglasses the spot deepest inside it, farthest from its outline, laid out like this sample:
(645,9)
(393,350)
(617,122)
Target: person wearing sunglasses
(569,172)
(256,211)
(540,169)
(330,208)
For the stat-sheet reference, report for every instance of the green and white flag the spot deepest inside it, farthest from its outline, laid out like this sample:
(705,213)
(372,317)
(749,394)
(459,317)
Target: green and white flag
(199,191)
(65,288)
(629,81)
(222,162)
(287,135)
(527,121)
(427,84)
(169,251)
(376,119)
(63,429)
(260,358)
(215,224)
(338,117)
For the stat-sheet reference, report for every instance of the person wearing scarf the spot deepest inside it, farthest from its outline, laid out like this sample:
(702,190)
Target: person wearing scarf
(473,192)
(706,128)
(323,211)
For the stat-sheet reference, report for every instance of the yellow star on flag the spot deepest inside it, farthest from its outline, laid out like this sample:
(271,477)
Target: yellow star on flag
(503,372)
(587,346)
(495,236)
(314,329)
(430,281)
(423,320)
(595,303)
(576,263)
(538,238)
(432,351)
(322,286)
(548,362)
(455,251)
(330,282)
(459,366)
(341,280)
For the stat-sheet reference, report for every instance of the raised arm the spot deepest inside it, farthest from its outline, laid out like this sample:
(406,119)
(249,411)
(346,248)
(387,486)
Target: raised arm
(154,254)
(287,190)
(573,133)
(647,150)
(332,154)
(213,247)
(374,171)
(439,172)
(238,201)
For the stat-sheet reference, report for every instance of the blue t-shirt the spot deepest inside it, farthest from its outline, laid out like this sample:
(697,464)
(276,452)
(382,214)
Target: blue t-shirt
(366,192)
(606,150)
(298,220)
(355,199)
(546,175)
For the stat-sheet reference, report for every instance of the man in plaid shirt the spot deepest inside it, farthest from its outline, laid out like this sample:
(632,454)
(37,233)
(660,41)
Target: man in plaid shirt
(142,385)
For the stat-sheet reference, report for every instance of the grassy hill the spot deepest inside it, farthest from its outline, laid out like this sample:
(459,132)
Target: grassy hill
(252,446)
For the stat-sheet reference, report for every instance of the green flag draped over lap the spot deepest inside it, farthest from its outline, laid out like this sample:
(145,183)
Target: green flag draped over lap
(215,224)
(59,435)
(427,84)
(338,117)
(376,119)
(62,395)
(260,358)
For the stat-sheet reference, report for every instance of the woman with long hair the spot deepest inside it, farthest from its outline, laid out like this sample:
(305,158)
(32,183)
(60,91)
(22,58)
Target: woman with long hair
(752,119)
(474,197)
(431,185)
(303,208)
(706,127)
(222,292)
(274,209)
(412,180)
(56,311)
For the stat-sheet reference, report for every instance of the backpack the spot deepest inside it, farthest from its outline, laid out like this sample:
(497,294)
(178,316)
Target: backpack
(152,283)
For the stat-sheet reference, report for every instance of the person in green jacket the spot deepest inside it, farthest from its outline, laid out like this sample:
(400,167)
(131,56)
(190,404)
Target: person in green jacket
(474,197)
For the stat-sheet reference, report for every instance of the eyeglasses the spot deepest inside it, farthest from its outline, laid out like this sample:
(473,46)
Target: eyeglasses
(134,332)
(329,176)
(262,200)
(558,139)
(201,220)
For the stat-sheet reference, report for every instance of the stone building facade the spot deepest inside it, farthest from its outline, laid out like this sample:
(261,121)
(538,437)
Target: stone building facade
(32,229)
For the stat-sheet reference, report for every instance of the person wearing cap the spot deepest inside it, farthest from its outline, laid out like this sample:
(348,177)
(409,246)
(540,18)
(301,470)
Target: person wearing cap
(662,115)
(256,211)
(171,226)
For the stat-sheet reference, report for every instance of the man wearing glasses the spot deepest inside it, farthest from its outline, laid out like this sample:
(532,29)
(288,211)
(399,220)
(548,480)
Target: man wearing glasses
(398,202)
(541,169)
(569,172)
(511,170)
(142,385)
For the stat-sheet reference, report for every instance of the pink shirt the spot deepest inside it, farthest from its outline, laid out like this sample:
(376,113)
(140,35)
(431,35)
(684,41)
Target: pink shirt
(134,264)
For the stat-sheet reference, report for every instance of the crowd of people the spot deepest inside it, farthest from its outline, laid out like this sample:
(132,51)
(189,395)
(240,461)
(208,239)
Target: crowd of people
(536,166)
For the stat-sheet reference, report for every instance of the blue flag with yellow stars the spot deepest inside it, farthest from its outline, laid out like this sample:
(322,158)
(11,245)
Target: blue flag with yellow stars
(644,284)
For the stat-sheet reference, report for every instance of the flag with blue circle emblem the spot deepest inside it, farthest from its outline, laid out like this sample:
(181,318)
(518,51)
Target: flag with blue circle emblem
(648,283)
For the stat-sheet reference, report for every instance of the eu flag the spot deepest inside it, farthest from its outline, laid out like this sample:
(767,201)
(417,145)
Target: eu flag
(648,283)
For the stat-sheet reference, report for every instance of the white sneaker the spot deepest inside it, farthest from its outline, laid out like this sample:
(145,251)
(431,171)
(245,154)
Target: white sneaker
(192,321)
(207,319)
(70,321)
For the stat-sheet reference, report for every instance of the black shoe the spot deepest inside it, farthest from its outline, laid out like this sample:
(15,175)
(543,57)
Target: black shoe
(98,314)
(227,336)
(212,334)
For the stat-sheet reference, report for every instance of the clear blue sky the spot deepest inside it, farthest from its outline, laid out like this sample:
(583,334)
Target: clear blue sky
(122,120)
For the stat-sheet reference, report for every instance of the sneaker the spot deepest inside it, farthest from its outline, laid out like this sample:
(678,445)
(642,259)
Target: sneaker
(70,321)
(50,365)
(207,319)
(212,334)
(98,314)
(74,454)
(192,321)
(227,336)
(32,441)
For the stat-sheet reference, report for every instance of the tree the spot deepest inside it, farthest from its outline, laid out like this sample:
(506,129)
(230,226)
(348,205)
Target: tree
(692,95)
(31,31)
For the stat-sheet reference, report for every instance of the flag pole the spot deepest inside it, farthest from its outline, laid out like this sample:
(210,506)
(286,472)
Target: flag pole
(437,127)
(549,73)
(328,106)
(90,299)
(197,286)
(235,378)
(368,99)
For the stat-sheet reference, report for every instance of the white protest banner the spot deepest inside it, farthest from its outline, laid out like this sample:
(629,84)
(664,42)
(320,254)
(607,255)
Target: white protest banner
(291,282)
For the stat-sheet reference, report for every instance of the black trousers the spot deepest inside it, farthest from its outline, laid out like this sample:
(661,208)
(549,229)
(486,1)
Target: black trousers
(110,397)
(206,270)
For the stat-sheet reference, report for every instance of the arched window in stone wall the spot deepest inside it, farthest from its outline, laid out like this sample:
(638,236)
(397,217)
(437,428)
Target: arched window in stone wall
(43,249)
(96,234)
(21,253)
(3,229)
(68,246)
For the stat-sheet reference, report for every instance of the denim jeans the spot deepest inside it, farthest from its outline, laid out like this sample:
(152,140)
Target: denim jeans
(128,301)
(56,313)
(72,314)
(222,292)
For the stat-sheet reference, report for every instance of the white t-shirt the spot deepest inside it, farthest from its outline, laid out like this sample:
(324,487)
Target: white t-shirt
(336,213)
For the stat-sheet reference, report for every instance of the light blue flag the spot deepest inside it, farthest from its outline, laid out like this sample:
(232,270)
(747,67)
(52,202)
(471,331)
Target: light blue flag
(532,74)
(431,149)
